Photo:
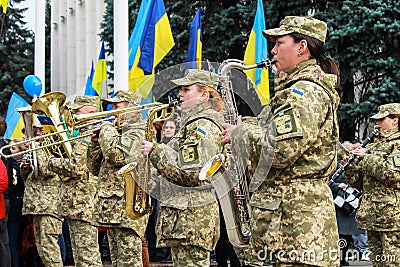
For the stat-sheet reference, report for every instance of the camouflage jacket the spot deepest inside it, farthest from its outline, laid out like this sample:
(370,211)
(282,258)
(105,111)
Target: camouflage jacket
(293,195)
(105,157)
(189,213)
(77,194)
(380,172)
(42,193)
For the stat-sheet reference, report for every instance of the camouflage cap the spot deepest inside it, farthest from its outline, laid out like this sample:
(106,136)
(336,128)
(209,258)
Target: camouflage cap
(308,26)
(386,110)
(125,96)
(81,101)
(193,76)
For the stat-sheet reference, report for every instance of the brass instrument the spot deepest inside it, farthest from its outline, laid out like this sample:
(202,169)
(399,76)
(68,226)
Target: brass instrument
(27,117)
(234,204)
(76,121)
(50,104)
(138,202)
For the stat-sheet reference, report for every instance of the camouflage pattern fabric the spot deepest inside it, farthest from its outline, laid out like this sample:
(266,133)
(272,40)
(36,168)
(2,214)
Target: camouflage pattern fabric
(113,151)
(379,211)
(193,76)
(126,240)
(46,231)
(41,196)
(181,221)
(380,205)
(293,210)
(84,243)
(77,194)
(384,248)
(308,26)
(77,201)
(190,256)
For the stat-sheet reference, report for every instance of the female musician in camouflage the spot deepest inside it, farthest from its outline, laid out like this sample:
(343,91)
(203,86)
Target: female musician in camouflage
(379,212)
(188,221)
(293,215)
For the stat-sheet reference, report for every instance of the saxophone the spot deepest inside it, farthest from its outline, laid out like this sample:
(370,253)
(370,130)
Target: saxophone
(234,204)
(138,201)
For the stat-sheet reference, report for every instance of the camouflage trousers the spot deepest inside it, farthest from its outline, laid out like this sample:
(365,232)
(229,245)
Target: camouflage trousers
(125,247)
(385,248)
(189,256)
(84,243)
(46,230)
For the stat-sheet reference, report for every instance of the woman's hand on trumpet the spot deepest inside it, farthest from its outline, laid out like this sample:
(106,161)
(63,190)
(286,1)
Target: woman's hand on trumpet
(96,132)
(146,148)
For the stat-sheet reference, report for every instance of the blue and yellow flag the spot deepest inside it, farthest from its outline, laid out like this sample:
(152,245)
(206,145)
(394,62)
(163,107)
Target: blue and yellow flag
(100,73)
(156,41)
(257,51)
(194,53)
(89,90)
(14,120)
(4,4)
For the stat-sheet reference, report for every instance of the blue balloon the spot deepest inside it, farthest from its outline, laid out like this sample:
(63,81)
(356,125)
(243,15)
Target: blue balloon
(33,85)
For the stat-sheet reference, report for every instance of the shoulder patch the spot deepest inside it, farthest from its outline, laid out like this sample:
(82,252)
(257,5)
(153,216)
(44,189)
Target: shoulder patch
(82,147)
(298,93)
(201,132)
(396,160)
(188,153)
(286,124)
(125,142)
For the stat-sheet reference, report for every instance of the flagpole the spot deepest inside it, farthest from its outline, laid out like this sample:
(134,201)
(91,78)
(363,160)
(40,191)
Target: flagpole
(40,15)
(121,28)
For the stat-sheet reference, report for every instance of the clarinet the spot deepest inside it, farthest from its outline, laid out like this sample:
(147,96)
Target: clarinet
(342,167)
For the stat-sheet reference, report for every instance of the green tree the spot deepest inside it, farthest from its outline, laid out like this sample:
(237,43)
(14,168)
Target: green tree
(364,39)
(16,54)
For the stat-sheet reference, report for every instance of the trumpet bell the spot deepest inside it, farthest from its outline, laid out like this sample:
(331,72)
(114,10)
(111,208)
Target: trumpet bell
(211,167)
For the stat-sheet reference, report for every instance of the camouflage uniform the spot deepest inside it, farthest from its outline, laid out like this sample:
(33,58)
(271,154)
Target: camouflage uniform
(188,222)
(77,195)
(292,210)
(379,212)
(105,158)
(41,200)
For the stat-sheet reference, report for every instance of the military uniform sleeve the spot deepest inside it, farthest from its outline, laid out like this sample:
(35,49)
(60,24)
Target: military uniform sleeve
(94,158)
(201,142)
(75,166)
(385,169)
(246,140)
(44,170)
(297,123)
(118,149)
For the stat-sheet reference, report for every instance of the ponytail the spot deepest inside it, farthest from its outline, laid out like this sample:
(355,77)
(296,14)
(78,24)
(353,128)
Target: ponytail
(317,51)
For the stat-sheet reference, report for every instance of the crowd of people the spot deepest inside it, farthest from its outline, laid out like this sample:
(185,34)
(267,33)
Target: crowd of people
(294,221)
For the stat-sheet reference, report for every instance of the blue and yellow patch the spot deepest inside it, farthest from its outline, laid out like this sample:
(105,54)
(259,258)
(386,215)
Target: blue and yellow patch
(201,132)
(297,93)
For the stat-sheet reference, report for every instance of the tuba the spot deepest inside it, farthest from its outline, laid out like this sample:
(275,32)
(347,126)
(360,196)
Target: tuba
(138,202)
(234,204)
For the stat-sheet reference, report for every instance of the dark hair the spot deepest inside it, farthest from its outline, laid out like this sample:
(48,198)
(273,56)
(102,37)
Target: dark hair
(3,126)
(317,51)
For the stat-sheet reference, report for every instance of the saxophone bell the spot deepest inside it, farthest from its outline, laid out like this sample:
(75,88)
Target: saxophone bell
(211,167)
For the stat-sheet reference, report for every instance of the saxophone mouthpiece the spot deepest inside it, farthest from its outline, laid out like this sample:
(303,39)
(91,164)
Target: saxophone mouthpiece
(266,63)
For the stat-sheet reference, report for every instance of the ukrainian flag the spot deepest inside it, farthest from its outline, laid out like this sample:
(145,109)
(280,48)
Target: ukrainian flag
(89,90)
(14,120)
(4,4)
(257,51)
(100,73)
(194,53)
(156,41)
